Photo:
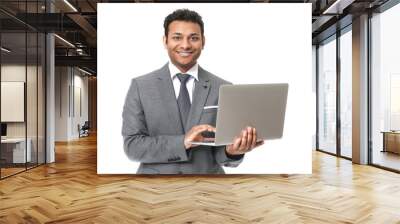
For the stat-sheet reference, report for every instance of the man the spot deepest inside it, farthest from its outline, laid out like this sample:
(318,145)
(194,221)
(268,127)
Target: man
(163,111)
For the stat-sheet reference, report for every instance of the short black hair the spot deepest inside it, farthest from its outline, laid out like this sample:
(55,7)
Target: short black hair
(183,15)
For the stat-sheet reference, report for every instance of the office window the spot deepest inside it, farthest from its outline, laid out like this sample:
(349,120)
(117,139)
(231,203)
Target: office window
(385,87)
(327,96)
(346,93)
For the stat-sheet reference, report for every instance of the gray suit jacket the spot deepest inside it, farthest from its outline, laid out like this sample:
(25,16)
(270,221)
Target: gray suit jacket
(153,132)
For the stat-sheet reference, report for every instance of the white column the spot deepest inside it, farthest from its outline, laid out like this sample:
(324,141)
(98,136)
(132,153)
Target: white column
(360,90)
(50,110)
(50,92)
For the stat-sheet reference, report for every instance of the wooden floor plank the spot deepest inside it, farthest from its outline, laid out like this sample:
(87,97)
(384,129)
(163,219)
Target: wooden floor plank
(70,191)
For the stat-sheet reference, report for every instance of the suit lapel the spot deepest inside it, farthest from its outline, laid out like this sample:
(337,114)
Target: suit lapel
(199,98)
(168,97)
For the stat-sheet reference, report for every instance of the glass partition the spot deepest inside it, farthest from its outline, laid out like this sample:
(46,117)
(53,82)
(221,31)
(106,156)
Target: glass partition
(22,63)
(13,105)
(385,89)
(32,95)
(41,109)
(346,93)
(327,96)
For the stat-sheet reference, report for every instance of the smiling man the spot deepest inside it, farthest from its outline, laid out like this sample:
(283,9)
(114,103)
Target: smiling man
(163,111)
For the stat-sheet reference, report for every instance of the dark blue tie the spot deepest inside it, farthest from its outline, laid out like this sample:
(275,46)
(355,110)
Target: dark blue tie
(183,98)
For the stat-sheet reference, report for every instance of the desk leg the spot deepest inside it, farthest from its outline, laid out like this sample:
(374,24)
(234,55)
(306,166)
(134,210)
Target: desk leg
(384,142)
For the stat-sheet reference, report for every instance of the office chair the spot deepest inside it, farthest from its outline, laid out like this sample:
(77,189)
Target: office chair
(84,130)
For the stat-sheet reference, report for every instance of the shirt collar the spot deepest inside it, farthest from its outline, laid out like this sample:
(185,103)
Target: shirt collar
(193,71)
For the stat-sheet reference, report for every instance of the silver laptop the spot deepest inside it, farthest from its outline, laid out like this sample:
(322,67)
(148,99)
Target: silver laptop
(261,106)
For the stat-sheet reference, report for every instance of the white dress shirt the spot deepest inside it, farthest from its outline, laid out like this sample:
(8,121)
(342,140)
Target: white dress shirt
(193,72)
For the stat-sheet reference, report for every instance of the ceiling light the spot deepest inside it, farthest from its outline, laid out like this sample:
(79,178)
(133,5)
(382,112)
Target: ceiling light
(79,51)
(5,50)
(338,6)
(70,5)
(84,71)
(64,40)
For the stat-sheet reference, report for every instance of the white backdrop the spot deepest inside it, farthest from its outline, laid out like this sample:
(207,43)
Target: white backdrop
(245,43)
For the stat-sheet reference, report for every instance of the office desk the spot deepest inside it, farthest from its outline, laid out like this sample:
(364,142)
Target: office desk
(391,141)
(13,150)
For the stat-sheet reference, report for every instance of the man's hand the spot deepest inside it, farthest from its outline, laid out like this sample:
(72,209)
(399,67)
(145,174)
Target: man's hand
(194,135)
(246,142)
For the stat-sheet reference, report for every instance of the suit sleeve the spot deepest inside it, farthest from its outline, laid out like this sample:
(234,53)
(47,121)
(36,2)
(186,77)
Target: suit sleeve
(141,147)
(222,158)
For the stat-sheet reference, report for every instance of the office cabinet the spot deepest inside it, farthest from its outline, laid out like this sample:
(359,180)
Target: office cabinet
(391,141)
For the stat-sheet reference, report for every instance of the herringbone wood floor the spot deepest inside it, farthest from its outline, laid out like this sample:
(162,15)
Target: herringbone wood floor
(70,191)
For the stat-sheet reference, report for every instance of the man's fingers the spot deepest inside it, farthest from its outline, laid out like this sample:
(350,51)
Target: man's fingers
(249,138)
(236,143)
(260,143)
(254,140)
(195,134)
(209,139)
(203,127)
(243,144)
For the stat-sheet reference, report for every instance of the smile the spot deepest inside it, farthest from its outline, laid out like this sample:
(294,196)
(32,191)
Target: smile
(184,53)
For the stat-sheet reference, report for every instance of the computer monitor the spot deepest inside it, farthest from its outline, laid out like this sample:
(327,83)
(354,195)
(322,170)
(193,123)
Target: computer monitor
(3,129)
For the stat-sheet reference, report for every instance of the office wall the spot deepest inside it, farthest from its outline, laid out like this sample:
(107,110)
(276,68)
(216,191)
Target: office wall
(92,107)
(61,103)
(71,102)
(80,110)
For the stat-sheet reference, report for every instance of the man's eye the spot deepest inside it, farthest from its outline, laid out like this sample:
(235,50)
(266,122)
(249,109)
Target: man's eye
(176,38)
(195,38)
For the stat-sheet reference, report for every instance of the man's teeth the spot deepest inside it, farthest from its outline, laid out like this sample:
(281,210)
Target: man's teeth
(185,53)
